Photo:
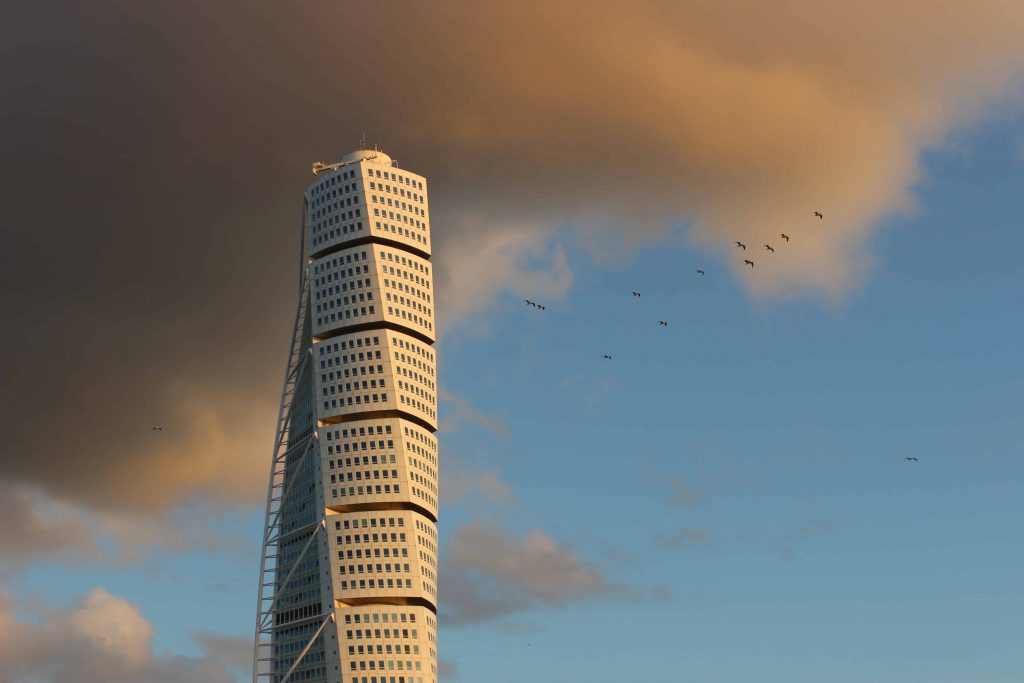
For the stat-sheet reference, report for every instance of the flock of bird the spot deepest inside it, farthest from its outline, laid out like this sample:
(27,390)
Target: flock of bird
(746,262)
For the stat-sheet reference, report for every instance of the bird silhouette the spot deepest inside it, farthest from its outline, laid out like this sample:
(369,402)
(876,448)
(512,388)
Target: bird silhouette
(784,236)
(607,356)
(914,459)
(818,214)
(769,248)
(700,272)
(541,308)
(741,245)
(663,323)
(636,293)
(529,303)
(158,429)
(748,262)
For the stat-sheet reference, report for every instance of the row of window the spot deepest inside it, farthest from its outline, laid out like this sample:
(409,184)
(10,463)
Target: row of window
(405,372)
(396,203)
(348,314)
(395,177)
(348,386)
(423,481)
(367,459)
(324,266)
(361,431)
(379,617)
(416,264)
(426,542)
(400,191)
(384,648)
(332,361)
(382,568)
(342,202)
(357,312)
(427,528)
(332,221)
(363,584)
(344,344)
(420,465)
(400,218)
(386,679)
(344,229)
(334,290)
(409,289)
(360,399)
(407,302)
(368,523)
(373,665)
(377,489)
(417,404)
(383,552)
(364,475)
(331,181)
(411,317)
(413,347)
(420,493)
(418,435)
(401,232)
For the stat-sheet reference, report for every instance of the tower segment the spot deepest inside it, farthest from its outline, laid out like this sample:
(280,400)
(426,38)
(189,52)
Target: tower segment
(348,577)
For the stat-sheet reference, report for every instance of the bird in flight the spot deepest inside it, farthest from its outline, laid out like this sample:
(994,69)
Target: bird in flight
(158,429)
(748,262)
(818,214)
(769,248)
(700,272)
(741,245)
(663,323)
(784,236)
(607,356)
(909,458)
(636,293)
(530,303)
(541,308)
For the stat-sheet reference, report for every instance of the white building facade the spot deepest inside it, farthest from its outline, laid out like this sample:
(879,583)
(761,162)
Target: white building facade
(348,580)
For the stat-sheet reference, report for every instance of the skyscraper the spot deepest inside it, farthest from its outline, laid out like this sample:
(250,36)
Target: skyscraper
(348,576)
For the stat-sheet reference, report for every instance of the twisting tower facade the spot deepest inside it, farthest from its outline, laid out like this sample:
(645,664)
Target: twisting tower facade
(348,575)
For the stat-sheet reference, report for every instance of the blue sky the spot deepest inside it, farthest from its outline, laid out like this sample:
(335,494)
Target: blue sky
(816,552)
(726,500)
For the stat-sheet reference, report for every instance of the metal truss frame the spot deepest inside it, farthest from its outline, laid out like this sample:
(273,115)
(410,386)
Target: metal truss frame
(278,489)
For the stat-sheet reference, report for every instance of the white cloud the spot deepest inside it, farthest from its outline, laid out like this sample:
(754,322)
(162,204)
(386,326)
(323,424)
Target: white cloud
(458,485)
(489,574)
(102,639)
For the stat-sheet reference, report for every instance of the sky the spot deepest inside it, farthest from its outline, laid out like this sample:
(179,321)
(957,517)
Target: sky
(725,500)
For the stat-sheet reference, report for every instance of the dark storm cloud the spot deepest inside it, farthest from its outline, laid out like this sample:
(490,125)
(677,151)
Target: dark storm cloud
(152,157)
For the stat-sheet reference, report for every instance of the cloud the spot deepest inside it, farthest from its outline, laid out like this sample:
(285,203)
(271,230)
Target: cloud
(157,282)
(234,652)
(682,494)
(489,260)
(489,574)
(683,537)
(43,529)
(35,528)
(102,639)
(447,670)
(457,485)
(465,414)
(127,465)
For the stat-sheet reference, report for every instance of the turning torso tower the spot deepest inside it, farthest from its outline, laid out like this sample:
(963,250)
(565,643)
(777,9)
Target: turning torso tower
(348,578)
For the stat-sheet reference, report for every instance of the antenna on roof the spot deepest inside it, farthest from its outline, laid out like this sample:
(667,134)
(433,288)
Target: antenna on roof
(362,141)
